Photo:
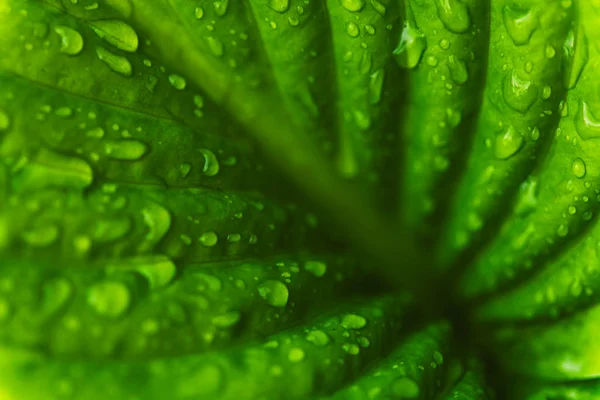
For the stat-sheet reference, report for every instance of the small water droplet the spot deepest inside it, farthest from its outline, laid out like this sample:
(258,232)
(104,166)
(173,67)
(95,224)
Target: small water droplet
(351,348)
(274,292)
(296,355)
(578,168)
(208,239)
(41,236)
(376,86)
(199,12)
(177,81)
(216,47)
(318,337)
(352,29)
(458,70)
(4,121)
(71,41)
(576,55)
(226,320)
(405,388)
(220,7)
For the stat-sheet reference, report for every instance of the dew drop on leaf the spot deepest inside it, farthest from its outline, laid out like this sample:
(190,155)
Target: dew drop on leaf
(110,299)
(458,70)
(116,33)
(318,337)
(405,388)
(208,239)
(158,270)
(376,86)
(411,47)
(41,236)
(220,7)
(454,14)
(199,12)
(353,321)
(56,293)
(518,93)
(216,47)
(588,126)
(352,29)
(177,81)
(508,143)
(211,164)
(226,320)
(317,268)
(4,121)
(296,355)
(127,150)
(71,41)
(576,55)
(520,23)
(274,292)
(279,6)
(351,348)
(578,168)
(353,5)
(119,64)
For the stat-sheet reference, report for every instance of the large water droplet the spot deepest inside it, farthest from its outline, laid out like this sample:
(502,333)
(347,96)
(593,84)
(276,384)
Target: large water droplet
(353,321)
(158,220)
(41,236)
(411,47)
(296,354)
(520,23)
(508,143)
(158,270)
(177,81)
(279,6)
(454,14)
(127,150)
(578,168)
(458,70)
(49,168)
(110,299)
(588,126)
(220,7)
(211,164)
(353,5)
(317,268)
(519,94)
(56,293)
(405,388)
(318,337)
(117,33)
(119,64)
(576,55)
(274,292)
(71,41)
(208,239)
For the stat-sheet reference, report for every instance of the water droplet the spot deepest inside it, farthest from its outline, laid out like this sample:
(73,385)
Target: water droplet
(508,143)
(119,64)
(158,270)
(117,33)
(318,337)
(317,268)
(177,81)
(458,70)
(279,6)
(352,29)
(363,342)
(353,5)
(204,381)
(296,355)
(208,239)
(562,231)
(226,320)
(199,12)
(550,51)
(4,121)
(363,121)
(220,7)
(71,41)
(126,150)
(41,236)
(588,126)
(405,388)
(353,321)
(351,348)
(49,168)
(454,14)
(578,168)
(376,86)
(520,23)
(211,164)
(158,220)
(110,299)
(216,47)
(378,6)
(438,358)
(56,293)
(274,292)
(576,55)
(411,47)
(518,93)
